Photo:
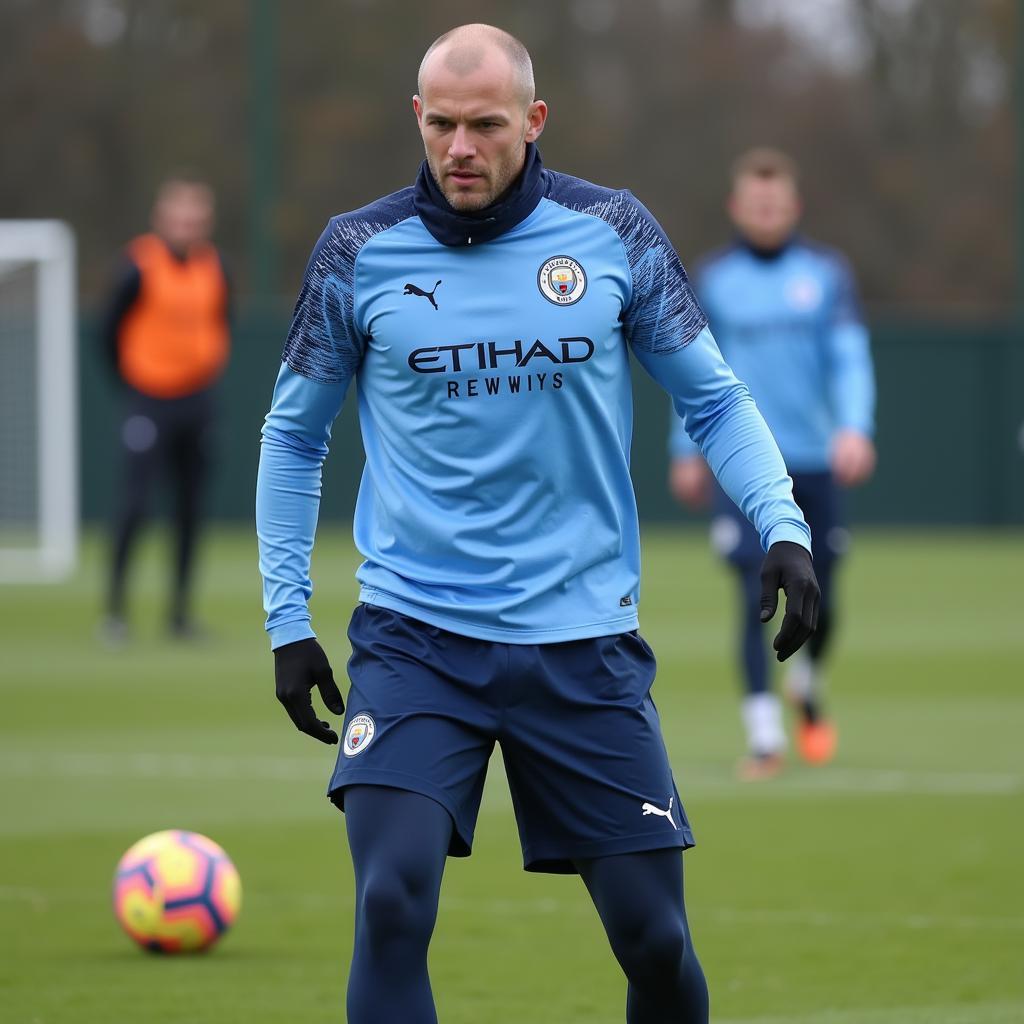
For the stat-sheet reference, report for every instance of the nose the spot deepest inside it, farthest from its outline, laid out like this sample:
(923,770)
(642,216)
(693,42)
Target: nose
(461,147)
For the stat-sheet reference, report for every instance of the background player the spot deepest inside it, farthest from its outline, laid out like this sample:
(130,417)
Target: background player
(785,314)
(499,528)
(167,335)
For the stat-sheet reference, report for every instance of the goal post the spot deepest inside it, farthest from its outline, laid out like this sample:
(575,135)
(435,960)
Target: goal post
(38,402)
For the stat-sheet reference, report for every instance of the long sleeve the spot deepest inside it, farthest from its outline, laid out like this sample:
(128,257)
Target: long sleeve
(122,297)
(295,439)
(851,374)
(717,412)
(321,355)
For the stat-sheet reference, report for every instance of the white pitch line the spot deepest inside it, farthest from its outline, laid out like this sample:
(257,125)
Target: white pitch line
(41,899)
(709,781)
(864,919)
(263,767)
(36,898)
(857,782)
(947,1013)
(745,918)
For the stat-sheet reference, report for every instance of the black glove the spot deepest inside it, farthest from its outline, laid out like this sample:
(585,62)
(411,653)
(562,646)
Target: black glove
(298,667)
(788,565)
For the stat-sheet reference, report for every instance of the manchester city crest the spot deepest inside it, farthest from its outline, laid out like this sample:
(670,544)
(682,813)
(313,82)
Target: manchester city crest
(803,294)
(359,735)
(562,280)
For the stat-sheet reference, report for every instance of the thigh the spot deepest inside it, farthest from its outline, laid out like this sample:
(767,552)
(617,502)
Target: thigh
(143,441)
(733,536)
(379,821)
(748,577)
(583,750)
(821,503)
(190,441)
(417,715)
(632,889)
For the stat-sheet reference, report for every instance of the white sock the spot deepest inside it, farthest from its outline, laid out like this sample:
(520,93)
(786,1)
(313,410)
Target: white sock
(762,717)
(801,679)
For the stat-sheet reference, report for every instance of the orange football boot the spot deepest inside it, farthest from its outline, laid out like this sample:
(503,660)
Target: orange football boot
(817,741)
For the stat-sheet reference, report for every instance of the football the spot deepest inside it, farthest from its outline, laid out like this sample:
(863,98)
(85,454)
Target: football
(176,892)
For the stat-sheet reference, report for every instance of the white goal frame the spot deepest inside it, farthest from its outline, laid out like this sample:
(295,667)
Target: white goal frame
(50,244)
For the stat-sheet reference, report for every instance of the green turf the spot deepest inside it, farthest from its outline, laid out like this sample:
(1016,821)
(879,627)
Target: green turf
(885,889)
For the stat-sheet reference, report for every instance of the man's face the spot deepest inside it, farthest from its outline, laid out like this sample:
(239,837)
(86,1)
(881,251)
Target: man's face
(475,128)
(764,210)
(183,215)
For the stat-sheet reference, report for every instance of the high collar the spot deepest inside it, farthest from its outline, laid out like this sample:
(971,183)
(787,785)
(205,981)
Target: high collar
(766,255)
(450,227)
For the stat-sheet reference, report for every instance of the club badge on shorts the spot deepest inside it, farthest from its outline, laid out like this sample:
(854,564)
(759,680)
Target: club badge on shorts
(562,280)
(359,735)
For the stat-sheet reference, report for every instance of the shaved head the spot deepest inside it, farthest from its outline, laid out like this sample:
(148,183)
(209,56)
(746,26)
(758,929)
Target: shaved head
(477,113)
(463,50)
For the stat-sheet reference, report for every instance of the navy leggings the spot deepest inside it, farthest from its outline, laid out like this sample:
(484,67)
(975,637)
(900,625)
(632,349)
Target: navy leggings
(819,499)
(754,636)
(169,438)
(399,842)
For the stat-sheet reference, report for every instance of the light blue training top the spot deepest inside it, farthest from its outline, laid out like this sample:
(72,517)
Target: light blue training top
(790,326)
(492,375)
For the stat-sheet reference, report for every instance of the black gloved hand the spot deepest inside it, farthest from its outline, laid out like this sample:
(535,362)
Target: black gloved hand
(788,565)
(298,667)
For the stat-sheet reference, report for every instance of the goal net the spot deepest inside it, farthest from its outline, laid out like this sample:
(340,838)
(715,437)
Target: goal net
(38,408)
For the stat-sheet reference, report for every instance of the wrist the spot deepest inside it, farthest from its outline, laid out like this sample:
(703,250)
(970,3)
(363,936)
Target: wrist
(290,633)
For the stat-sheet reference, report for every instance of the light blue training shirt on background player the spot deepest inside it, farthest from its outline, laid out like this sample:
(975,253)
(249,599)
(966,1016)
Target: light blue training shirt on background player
(789,324)
(495,405)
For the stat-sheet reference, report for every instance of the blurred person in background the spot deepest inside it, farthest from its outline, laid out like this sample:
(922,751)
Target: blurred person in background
(166,332)
(785,313)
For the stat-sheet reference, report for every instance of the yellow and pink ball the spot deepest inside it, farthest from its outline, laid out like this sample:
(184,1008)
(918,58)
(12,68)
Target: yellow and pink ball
(176,892)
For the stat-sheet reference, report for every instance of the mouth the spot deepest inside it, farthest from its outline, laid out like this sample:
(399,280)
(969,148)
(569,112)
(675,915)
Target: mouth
(463,176)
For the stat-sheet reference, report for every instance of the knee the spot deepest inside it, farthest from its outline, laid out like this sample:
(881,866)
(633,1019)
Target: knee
(652,952)
(398,905)
(750,591)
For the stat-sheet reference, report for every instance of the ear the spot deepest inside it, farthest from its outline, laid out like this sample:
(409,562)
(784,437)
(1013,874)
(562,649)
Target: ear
(417,106)
(731,206)
(536,117)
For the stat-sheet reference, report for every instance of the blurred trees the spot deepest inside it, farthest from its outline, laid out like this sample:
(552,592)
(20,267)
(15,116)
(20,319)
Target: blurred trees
(899,111)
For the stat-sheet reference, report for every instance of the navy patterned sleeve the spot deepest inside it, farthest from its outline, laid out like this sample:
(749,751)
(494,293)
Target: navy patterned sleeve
(323,342)
(663,314)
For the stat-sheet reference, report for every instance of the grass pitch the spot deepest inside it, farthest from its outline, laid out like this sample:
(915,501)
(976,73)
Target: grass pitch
(884,889)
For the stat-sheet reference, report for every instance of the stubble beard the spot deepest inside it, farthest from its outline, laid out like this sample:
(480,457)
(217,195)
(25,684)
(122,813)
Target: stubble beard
(498,182)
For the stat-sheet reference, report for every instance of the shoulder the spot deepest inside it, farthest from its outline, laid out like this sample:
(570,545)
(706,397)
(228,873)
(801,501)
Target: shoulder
(829,259)
(143,249)
(208,256)
(716,259)
(835,276)
(580,195)
(347,233)
(641,235)
(618,208)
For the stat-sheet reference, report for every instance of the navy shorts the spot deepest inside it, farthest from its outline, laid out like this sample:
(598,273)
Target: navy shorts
(735,539)
(579,735)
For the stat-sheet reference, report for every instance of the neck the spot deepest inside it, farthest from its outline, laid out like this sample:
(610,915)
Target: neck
(473,227)
(179,252)
(764,250)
